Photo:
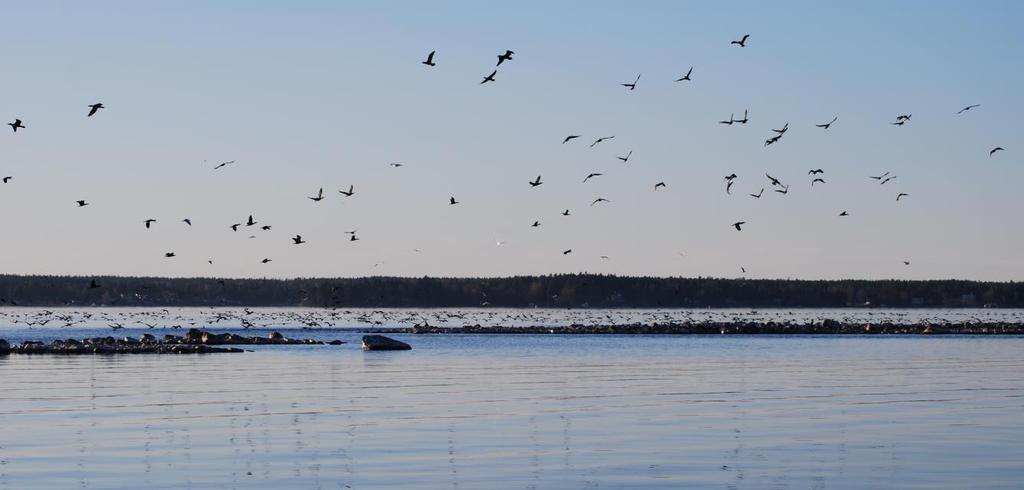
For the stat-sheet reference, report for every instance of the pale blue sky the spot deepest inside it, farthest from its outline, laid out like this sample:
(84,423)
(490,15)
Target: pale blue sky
(326,94)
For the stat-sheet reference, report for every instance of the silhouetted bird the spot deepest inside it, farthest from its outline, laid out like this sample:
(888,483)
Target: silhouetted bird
(784,190)
(505,57)
(535,224)
(902,194)
(223,164)
(265,227)
(742,42)
(353,238)
(235,226)
(250,221)
(350,192)
(965,109)
(828,124)
(686,77)
(565,213)
(396,165)
(880,177)
(266,261)
(430,59)
(169,254)
(659,184)
(783,130)
(600,140)
(589,176)
(567,252)
(82,203)
(600,199)
(758,195)
(738,225)
(570,137)
(815,171)
(298,240)
(535,183)
(489,78)
(94,108)
(744,120)
(773,180)
(319,196)
(887,179)
(187,221)
(728,186)
(730,121)
(15,125)
(625,159)
(844,213)
(149,222)
(817,180)
(730,176)
(8,179)
(994,150)
(632,86)
(906,262)
(452,201)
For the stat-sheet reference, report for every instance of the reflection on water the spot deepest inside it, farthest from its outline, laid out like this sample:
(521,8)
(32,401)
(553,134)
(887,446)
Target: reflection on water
(525,412)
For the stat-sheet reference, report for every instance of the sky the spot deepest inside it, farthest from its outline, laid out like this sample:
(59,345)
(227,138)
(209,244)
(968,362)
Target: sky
(304,95)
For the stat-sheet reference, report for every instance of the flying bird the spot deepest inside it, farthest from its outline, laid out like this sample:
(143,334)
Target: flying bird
(844,213)
(489,78)
(625,159)
(728,186)
(353,238)
(319,196)
(887,179)
(223,164)
(266,261)
(730,176)
(659,184)
(817,180)
(738,225)
(600,140)
(902,194)
(828,124)
(567,252)
(784,190)
(235,226)
(94,108)
(994,150)
(774,180)
(535,224)
(730,121)
(250,221)
(169,255)
(744,120)
(535,183)
(565,213)
(569,138)
(350,191)
(632,86)
(758,195)
(505,57)
(686,78)
(906,262)
(600,199)
(742,42)
(187,221)
(880,177)
(589,176)
(815,171)
(965,109)
(452,201)
(396,165)
(430,59)
(783,130)
(15,125)
(8,179)
(149,222)
(298,240)
(82,203)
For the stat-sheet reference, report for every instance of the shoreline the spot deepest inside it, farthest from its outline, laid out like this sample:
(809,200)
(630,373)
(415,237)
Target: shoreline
(827,327)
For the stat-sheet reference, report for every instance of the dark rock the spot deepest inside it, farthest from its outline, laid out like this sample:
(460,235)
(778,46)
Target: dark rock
(380,342)
(5,347)
(336,342)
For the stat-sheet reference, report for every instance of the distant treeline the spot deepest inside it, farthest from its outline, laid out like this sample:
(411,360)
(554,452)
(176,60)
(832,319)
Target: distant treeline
(558,291)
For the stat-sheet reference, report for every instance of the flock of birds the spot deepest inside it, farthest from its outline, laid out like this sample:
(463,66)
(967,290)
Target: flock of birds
(776,185)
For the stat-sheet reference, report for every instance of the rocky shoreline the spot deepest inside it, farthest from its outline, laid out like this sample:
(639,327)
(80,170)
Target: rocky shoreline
(195,341)
(826,327)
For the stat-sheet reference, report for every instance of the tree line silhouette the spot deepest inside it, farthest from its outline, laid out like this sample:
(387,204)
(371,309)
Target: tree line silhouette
(554,291)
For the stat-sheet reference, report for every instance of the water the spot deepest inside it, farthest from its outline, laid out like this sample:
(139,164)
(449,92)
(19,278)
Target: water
(522,411)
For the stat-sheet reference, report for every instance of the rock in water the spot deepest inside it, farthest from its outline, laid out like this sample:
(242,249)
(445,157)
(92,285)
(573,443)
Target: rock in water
(380,342)
(5,348)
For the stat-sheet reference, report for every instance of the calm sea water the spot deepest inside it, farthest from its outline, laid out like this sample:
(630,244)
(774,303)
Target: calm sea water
(522,411)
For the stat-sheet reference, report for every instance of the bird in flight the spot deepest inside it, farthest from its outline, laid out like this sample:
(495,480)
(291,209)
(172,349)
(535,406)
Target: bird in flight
(600,140)
(265,227)
(565,213)
(535,224)
(625,159)
(570,138)
(430,59)
(149,222)
(632,86)
(592,175)
(489,78)
(730,176)
(600,199)
(8,178)
(738,225)
(844,213)
(169,255)
(235,226)
(94,108)
(319,196)
(15,125)
(742,42)
(452,201)
(783,130)
(350,191)
(880,177)
(730,121)
(906,262)
(266,261)
(82,203)
(353,238)
(686,78)
(819,179)
(784,190)
(758,195)
(505,57)
(728,186)
(744,120)
(815,171)
(887,179)
(250,221)
(224,164)
(902,119)
(396,165)
(828,124)
(567,252)
(774,180)
(297,240)
(965,109)
(994,150)
(535,183)
(187,221)
(659,184)
(902,194)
